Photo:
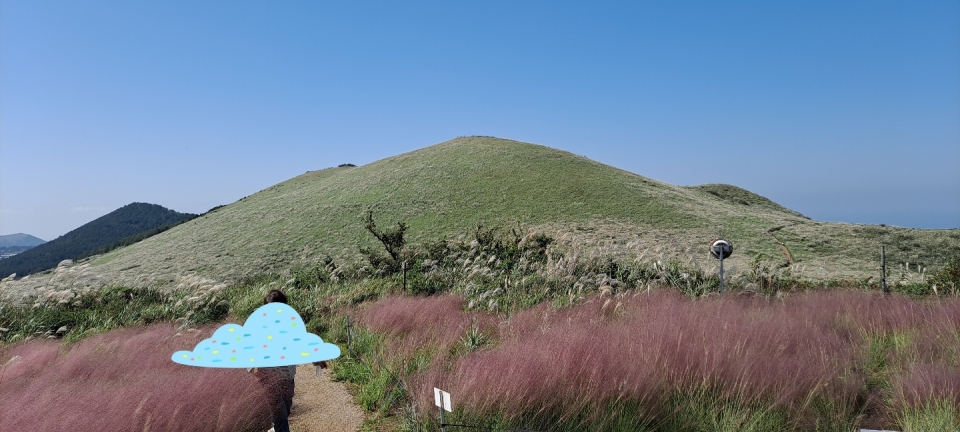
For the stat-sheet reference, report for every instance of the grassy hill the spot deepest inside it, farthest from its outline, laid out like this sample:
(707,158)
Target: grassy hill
(593,211)
(448,188)
(99,234)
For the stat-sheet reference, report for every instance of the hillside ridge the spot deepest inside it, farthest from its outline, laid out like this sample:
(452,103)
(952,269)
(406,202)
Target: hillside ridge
(448,189)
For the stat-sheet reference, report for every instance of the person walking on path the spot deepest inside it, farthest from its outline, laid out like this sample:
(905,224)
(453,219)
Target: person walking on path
(279,382)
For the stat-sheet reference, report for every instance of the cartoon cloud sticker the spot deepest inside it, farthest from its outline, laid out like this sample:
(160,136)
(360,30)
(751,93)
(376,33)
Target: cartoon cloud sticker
(274,335)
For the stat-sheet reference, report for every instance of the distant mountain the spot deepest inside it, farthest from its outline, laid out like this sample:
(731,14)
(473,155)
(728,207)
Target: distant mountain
(19,239)
(126,225)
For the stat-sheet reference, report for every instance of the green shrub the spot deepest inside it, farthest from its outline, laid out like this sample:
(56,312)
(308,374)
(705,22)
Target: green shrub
(311,276)
(947,279)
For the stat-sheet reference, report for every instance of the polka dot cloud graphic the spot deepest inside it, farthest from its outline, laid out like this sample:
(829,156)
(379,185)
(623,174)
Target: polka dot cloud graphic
(274,335)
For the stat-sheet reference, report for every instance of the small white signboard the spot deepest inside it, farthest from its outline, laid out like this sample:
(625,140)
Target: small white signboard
(442,399)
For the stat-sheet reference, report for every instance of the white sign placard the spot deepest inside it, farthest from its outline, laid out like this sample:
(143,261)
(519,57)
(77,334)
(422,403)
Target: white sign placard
(442,399)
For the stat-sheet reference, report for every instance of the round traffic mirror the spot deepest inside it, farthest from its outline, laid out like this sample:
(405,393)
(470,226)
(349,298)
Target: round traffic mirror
(721,249)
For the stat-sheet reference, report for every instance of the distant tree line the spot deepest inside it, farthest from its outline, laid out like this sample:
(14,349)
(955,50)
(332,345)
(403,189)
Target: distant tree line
(124,226)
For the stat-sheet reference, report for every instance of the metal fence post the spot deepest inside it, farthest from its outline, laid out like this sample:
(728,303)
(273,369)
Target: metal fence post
(443,422)
(721,275)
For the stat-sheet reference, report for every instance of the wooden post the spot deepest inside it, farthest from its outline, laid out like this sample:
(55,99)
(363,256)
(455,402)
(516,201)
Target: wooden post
(404,267)
(349,337)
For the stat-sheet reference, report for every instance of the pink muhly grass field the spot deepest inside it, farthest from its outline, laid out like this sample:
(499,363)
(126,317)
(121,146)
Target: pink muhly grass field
(804,356)
(125,380)
(657,346)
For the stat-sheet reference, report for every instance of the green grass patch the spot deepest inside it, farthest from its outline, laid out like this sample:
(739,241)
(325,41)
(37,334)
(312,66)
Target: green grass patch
(932,416)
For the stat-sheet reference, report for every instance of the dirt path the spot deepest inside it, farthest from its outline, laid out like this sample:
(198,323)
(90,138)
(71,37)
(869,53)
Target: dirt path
(320,404)
(783,246)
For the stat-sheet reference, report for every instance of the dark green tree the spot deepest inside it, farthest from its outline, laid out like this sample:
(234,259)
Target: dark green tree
(393,241)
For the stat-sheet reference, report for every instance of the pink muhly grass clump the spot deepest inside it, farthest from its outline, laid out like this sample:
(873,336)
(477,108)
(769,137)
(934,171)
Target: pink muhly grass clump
(414,322)
(26,359)
(125,380)
(939,342)
(873,313)
(931,372)
(558,373)
(927,384)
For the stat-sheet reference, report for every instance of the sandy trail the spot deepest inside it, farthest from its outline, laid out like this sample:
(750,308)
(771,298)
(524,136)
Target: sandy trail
(320,404)
(783,247)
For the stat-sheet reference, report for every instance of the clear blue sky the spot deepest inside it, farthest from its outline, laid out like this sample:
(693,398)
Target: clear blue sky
(844,111)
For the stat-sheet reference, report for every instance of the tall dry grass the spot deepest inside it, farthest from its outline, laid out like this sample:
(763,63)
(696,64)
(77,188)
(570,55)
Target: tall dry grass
(124,380)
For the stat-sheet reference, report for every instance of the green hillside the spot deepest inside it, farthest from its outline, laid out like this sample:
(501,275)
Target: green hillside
(448,188)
